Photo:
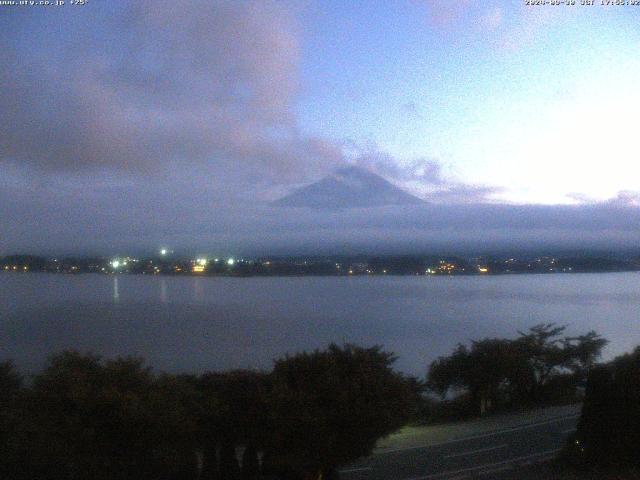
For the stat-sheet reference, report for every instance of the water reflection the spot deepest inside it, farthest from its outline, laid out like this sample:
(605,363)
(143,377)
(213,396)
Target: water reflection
(198,290)
(116,290)
(225,323)
(163,290)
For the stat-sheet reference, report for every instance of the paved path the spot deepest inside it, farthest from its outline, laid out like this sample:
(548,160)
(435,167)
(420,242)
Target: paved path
(486,448)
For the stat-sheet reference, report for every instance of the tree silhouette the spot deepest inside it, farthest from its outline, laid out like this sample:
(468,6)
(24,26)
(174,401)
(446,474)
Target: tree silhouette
(85,417)
(104,420)
(330,407)
(609,428)
(516,371)
(12,448)
(238,419)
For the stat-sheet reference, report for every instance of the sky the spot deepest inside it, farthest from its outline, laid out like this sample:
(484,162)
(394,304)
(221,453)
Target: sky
(129,125)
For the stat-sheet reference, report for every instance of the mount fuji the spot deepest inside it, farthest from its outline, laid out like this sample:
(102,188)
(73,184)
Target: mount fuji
(350,187)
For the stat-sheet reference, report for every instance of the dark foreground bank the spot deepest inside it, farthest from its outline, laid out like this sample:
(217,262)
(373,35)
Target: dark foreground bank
(83,417)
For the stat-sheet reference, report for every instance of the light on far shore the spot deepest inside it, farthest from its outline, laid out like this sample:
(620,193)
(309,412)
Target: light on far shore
(231,261)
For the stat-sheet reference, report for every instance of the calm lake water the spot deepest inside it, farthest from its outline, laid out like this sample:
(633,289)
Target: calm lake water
(208,323)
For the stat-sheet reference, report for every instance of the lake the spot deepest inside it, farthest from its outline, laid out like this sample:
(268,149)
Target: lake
(193,324)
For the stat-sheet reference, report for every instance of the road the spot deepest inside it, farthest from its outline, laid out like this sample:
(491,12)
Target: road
(488,455)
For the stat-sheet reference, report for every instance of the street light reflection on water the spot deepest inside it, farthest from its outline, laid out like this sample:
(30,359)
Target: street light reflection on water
(198,289)
(116,289)
(163,290)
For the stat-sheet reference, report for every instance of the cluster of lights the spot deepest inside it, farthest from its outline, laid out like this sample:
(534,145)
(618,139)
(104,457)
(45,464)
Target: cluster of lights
(199,265)
(117,263)
(446,267)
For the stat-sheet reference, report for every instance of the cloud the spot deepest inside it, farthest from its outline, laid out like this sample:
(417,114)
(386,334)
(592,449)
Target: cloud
(153,84)
(624,198)
(580,198)
(422,170)
(507,30)
(157,88)
(196,96)
(443,14)
(460,193)
(137,219)
(424,177)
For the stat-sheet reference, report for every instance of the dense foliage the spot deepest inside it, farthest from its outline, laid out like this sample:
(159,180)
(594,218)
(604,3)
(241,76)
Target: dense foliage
(538,366)
(609,429)
(83,417)
(330,407)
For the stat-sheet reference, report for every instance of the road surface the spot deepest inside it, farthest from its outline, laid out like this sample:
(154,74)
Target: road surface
(489,454)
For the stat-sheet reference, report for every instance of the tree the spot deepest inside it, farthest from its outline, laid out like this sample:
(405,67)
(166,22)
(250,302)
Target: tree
(172,427)
(518,371)
(238,418)
(104,420)
(11,391)
(330,407)
(545,355)
(446,373)
(609,428)
(484,370)
(549,356)
(583,351)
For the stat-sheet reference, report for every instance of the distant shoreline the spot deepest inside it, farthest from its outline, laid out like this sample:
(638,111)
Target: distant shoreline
(336,266)
(319,275)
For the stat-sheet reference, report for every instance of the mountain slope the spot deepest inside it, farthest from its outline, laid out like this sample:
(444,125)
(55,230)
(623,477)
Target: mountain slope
(350,187)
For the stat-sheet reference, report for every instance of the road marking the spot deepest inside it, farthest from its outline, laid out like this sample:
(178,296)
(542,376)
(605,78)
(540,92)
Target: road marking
(473,452)
(568,430)
(486,465)
(481,435)
(496,470)
(361,469)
